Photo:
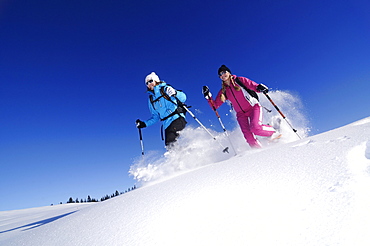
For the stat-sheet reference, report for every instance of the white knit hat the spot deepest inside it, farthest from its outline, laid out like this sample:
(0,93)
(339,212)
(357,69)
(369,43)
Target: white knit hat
(152,76)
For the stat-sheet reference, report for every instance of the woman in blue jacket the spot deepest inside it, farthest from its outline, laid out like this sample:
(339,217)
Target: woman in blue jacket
(163,105)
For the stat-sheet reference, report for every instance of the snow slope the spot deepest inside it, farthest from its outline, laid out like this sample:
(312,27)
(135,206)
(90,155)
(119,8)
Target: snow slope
(315,191)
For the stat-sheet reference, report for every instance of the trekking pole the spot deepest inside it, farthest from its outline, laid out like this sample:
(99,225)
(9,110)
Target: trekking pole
(225,149)
(277,108)
(141,141)
(222,125)
(268,110)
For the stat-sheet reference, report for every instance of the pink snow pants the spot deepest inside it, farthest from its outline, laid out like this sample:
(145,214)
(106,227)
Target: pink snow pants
(250,123)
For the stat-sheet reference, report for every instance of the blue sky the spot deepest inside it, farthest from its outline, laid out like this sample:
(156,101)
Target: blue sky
(72,78)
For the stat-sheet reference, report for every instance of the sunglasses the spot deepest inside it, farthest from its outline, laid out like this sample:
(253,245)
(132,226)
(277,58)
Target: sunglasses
(222,73)
(148,82)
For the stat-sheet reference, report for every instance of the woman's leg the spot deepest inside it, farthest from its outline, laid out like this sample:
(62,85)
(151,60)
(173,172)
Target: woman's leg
(243,120)
(256,125)
(171,132)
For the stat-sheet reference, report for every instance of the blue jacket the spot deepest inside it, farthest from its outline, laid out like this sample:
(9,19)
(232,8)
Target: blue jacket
(161,108)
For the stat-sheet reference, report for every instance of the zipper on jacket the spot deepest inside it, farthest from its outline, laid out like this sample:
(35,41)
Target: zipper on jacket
(236,100)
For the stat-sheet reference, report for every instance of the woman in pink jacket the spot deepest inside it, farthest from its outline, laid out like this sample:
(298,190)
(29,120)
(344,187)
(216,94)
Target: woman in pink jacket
(241,93)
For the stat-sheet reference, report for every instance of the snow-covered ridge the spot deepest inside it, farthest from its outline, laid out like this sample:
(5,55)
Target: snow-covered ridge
(313,191)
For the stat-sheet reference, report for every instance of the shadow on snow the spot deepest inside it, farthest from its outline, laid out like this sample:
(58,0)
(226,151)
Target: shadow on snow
(38,223)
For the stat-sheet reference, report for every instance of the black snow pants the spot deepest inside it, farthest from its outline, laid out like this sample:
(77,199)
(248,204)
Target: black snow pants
(172,131)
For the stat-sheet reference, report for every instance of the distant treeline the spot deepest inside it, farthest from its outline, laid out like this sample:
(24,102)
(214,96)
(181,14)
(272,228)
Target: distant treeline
(106,197)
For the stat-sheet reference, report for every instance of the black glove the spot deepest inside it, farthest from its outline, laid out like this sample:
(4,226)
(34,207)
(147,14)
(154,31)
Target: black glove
(262,88)
(207,94)
(140,124)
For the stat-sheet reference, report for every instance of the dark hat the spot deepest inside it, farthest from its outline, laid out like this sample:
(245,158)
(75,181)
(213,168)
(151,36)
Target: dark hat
(223,68)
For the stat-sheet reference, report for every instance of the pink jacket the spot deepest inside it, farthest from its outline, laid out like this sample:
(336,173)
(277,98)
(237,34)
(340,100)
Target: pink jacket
(235,96)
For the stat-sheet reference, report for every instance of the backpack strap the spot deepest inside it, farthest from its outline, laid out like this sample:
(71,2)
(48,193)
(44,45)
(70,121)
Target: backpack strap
(178,110)
(251,92)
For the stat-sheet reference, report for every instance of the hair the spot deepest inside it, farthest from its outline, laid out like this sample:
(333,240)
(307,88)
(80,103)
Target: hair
(223,88)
